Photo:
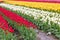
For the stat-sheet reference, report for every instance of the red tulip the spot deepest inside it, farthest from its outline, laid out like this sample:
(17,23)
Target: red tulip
(11,29)
(13,16)
(4,24)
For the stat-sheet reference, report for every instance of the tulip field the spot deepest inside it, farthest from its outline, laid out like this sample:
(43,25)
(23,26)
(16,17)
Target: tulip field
(54,7)
(20,22)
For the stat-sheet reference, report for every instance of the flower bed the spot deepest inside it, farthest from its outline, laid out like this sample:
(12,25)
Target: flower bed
(6,32)
(55,7)
(47,21)
(17,18)
(4,25)
(15,21)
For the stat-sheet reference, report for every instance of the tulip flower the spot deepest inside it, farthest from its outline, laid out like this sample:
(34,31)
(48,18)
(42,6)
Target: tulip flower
(11,29)
(13,16)
(4,25)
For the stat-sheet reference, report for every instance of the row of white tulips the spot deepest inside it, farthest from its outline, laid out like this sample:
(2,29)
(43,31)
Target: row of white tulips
(51,16)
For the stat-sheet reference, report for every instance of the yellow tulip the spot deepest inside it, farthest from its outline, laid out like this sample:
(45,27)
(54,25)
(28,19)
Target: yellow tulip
(39,5)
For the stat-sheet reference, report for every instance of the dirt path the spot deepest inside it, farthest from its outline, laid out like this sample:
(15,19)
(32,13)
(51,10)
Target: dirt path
(43,36)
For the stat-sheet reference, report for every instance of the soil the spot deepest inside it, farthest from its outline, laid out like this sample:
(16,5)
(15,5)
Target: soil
(43,36)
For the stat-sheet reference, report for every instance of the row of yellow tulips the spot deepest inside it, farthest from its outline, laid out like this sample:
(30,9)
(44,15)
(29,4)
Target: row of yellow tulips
(39,5)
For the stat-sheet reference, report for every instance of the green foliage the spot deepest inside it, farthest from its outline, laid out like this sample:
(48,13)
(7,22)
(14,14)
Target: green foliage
(54,28)
(4,36)
(26,34)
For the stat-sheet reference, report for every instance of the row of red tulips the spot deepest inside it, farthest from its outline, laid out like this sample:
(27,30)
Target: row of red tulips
(4,25)
(17,18)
